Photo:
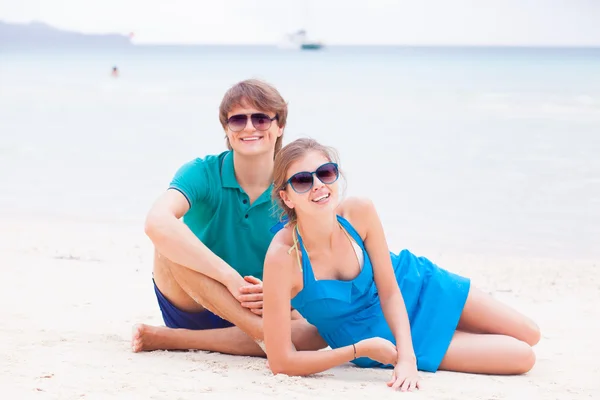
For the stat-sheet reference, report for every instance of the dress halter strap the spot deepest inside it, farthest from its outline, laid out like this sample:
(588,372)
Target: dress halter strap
(295,246)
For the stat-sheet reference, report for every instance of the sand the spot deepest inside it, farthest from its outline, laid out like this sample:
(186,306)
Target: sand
(73,290)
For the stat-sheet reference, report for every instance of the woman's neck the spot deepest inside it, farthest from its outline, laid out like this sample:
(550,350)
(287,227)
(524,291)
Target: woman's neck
(317,232)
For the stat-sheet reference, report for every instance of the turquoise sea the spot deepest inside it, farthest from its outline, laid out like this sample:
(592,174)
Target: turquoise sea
(483,150)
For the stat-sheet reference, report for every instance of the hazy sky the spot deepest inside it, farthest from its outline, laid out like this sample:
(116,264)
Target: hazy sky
(487,22)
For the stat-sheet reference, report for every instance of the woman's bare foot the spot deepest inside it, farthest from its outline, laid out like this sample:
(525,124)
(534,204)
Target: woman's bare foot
(148,338)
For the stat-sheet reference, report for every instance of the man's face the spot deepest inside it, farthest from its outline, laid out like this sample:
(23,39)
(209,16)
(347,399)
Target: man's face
(259,133)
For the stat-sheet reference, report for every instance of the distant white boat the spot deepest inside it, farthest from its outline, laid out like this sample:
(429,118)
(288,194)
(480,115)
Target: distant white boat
(299,40)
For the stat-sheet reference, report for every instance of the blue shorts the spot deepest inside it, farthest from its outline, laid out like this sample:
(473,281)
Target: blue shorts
(175,318)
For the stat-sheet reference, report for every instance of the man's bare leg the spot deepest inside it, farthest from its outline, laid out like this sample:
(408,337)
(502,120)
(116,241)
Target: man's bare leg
(216,298)
(225,340)
(192,291)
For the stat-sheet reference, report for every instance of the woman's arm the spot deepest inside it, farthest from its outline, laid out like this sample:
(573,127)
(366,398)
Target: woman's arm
(391,299)
(278,286)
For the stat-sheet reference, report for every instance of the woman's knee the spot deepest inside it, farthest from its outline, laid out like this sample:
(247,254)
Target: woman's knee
(533,334)
(524,358)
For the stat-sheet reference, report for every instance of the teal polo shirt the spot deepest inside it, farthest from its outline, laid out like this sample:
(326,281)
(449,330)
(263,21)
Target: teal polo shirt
(221,216)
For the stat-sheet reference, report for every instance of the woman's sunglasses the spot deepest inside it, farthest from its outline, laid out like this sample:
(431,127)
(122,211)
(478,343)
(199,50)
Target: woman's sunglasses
(260,121)
(302,182)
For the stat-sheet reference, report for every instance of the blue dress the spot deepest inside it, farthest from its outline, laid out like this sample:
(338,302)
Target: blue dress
(346,312)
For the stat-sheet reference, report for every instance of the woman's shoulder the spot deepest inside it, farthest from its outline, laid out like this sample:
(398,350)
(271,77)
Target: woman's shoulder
(355,207)
(357,211)
(282,242)
(284,236)
(281,260)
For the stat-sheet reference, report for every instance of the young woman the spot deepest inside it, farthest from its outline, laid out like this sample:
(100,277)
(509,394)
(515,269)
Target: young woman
(374,308)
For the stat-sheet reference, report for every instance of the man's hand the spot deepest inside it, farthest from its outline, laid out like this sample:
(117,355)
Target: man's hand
(251,295)
(233,282)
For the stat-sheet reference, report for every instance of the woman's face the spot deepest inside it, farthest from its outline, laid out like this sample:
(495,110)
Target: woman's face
(313,187)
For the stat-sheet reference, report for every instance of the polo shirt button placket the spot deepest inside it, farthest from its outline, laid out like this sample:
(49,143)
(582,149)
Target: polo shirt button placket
(245,201)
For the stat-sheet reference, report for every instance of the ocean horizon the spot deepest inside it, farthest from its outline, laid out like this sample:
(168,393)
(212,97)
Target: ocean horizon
(462,148)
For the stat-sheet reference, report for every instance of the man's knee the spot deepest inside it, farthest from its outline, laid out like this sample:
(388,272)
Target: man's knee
(161,264)
(180,274)
(162,273)
(173,287)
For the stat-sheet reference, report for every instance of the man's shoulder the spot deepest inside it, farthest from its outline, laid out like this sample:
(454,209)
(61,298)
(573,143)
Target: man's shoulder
(197,178)
(210,163)
(201,169)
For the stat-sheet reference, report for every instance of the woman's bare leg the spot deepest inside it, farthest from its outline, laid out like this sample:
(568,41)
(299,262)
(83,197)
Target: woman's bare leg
(484,314)
(488,354)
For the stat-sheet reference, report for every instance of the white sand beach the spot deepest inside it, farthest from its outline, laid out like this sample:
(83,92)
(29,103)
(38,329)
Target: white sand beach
(480,159)
(73,290)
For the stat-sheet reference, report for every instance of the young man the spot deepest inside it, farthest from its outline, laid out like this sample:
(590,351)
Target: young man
(208,266)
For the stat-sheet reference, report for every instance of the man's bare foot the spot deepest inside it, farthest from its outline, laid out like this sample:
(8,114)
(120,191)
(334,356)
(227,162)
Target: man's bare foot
(147,337)
(224,340)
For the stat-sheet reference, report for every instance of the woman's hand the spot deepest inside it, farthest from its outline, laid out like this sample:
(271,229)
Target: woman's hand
(405,376)
(378,349)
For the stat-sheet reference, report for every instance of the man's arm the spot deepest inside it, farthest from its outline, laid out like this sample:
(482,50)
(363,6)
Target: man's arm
(174,240)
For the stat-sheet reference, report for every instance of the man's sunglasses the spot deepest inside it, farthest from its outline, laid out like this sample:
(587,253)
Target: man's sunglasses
(260,121)
(302,182)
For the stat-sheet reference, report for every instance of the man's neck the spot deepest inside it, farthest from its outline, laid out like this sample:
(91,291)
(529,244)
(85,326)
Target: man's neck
(254,174)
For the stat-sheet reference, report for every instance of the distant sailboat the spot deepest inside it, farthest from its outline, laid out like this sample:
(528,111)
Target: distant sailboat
(299,40)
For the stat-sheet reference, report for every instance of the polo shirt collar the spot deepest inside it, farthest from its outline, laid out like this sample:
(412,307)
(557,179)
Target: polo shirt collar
(228,173)
(229,181)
